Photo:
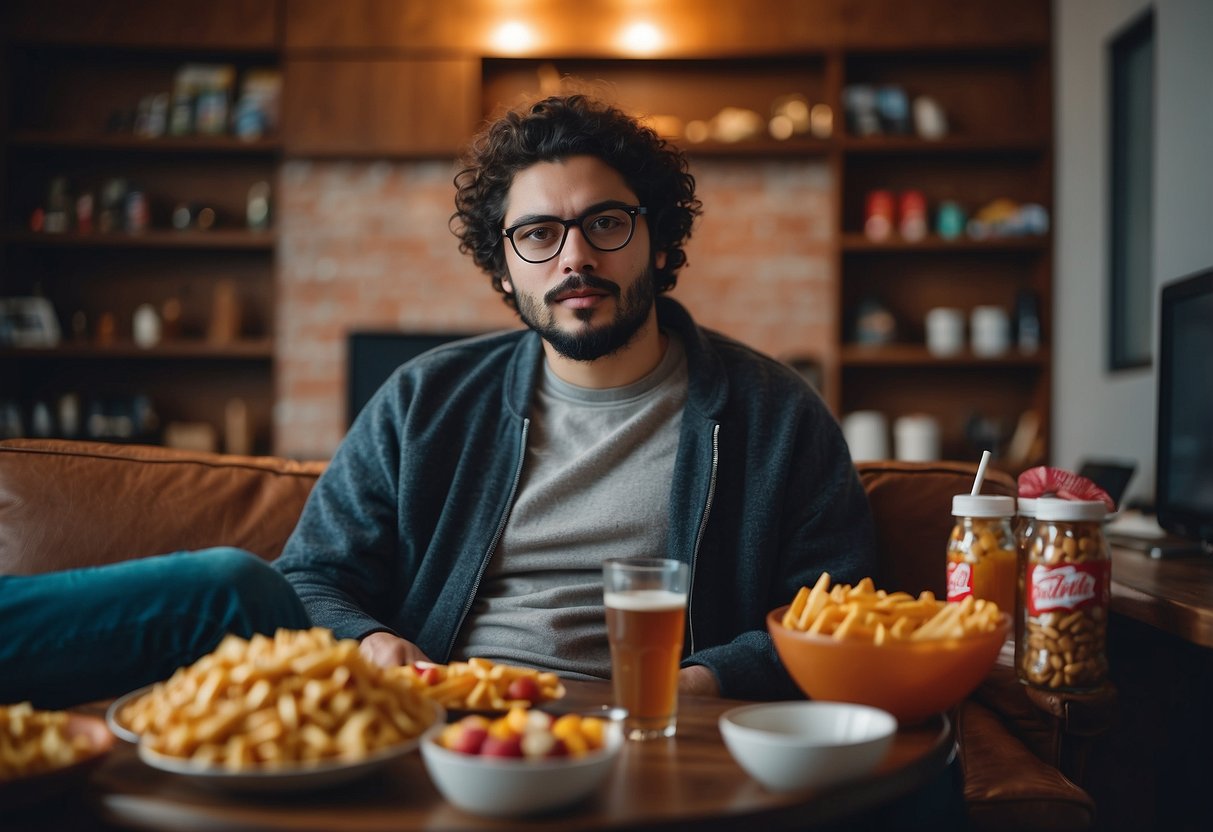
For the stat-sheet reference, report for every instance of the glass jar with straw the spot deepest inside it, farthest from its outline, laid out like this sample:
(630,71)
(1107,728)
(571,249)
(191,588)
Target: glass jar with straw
(981,552)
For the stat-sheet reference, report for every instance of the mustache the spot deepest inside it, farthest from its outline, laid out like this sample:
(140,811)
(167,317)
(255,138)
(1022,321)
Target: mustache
(577,282)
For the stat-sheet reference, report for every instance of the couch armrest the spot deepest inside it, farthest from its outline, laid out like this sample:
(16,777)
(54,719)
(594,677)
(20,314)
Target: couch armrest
(1007,786)
(1059,728)
(1076,720)
(67,504)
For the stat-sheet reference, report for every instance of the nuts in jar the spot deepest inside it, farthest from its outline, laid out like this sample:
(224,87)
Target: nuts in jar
(1065,579)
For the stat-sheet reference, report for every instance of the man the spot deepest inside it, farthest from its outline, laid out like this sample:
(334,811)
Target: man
(470,508)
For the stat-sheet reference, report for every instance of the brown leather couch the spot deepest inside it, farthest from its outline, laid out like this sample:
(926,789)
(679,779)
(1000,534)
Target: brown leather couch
(69,504)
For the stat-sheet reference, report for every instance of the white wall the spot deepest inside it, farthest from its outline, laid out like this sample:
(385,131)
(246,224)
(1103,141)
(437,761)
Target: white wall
(1097,413)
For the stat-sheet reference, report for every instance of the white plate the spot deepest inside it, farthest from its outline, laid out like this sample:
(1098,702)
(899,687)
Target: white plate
(288,778)
(119,729)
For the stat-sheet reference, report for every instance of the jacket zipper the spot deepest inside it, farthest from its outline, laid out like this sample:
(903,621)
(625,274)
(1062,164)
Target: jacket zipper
(703,524)
(505,515)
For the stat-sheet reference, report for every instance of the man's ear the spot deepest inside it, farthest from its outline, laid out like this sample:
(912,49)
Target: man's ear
(505,284)
(659,259)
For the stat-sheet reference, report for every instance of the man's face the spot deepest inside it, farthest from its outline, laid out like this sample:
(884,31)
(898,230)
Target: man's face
(586,303)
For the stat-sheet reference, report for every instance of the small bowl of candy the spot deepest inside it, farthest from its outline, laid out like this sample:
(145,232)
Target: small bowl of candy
(523,763)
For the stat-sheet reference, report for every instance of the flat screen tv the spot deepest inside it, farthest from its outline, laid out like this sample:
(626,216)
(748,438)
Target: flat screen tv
(373,356)
(1184,485)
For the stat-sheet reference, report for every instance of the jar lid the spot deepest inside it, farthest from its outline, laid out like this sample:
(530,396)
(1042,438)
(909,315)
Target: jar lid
(1049,508)
(982,505)
(1027,506)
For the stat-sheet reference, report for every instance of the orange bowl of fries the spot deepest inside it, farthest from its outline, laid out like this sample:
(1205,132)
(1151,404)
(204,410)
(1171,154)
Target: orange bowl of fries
(910,656)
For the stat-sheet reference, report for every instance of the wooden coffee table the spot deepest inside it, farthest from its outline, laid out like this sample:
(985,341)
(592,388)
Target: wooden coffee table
(690,780)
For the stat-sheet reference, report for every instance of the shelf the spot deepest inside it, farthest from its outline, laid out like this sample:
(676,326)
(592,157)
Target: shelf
(251,349)
(235,239)
(72,140)
(959,145)
(916,355)
(767,148)
(854,243)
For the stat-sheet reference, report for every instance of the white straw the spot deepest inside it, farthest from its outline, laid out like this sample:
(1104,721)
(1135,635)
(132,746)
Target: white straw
(981,472)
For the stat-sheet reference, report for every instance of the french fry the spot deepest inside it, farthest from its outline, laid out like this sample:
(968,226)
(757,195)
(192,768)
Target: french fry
(862,612)
(271,702)
(796,607)
(452,689)
(36,741)
(817,601)
(478,684)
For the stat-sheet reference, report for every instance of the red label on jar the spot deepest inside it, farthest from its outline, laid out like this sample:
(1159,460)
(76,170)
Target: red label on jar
(1069,587)
(960,580)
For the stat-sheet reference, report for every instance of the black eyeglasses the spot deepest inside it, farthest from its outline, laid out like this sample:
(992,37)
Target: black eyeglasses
(606,229)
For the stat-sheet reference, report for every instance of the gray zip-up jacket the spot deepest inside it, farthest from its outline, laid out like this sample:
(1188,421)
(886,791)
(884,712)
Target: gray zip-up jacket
(399,529)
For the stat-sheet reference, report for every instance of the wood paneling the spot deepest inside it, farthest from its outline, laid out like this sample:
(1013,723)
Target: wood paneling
(589,28)
(208,24)
(408,107)
(690,28)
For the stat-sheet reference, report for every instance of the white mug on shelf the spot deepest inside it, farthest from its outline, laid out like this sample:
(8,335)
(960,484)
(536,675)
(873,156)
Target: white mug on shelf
(991,331)
(916,438)
(867,434)
(945,331)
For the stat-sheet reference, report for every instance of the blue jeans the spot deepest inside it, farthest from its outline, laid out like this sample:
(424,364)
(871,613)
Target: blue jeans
(87,634)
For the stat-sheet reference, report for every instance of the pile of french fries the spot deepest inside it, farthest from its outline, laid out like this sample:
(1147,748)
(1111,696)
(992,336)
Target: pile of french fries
(864,612)
(478,684)
(265,703)
(35,741)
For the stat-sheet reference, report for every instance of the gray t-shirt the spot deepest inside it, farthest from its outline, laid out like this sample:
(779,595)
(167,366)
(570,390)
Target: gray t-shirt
(595,485)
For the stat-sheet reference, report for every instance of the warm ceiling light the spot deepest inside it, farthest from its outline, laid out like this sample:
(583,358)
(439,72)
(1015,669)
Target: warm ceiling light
(641,38)
(513,37)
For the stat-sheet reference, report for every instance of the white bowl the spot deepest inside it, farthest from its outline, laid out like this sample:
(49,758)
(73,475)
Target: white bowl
(513,787)
(795,745)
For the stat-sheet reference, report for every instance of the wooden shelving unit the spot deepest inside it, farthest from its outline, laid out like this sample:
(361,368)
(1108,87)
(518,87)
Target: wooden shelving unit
(98,142)
(245,349)
(224,239)
(914,355)
(61,99)
(998,104)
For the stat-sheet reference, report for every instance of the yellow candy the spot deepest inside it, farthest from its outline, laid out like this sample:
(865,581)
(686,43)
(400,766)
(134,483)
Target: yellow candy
(566,726)
(516,718)
(594,731)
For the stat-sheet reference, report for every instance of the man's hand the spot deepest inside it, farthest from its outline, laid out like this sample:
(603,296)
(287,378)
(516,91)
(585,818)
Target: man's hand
(698,680)
(387,650)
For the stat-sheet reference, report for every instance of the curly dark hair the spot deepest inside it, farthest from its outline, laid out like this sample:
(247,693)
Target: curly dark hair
(559,127)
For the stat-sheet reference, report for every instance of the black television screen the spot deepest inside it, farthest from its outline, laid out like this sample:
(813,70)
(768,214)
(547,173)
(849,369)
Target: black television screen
(1184,486)
(373,356)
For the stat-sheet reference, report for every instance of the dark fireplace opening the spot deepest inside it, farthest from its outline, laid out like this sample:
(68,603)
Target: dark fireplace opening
(372,356)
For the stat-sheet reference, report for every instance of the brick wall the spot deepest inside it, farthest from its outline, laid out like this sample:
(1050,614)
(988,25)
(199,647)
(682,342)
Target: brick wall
(365,245)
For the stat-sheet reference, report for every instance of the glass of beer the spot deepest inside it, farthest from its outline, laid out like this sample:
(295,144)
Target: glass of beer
(646,603)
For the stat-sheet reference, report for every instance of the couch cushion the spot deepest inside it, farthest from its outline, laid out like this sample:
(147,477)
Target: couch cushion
(912,507)
(68,504)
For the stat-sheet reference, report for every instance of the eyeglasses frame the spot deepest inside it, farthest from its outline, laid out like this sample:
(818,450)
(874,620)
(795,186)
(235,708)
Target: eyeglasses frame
(632,211)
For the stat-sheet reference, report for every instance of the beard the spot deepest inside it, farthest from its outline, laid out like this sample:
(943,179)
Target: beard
(588,342)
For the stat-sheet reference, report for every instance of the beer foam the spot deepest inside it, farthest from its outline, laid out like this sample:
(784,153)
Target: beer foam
(646,600)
